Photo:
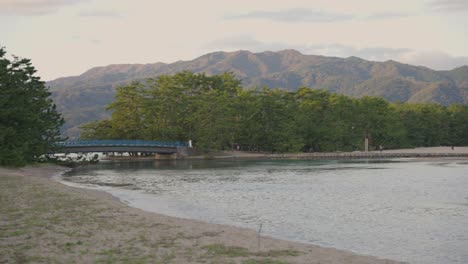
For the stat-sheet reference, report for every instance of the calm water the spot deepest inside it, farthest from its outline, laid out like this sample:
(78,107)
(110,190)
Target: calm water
(415,211)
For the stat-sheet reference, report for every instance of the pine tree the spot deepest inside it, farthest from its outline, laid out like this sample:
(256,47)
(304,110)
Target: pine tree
(29,122)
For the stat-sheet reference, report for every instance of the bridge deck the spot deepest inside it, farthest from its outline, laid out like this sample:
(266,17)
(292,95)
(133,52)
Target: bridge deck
(76,146)
(122,143)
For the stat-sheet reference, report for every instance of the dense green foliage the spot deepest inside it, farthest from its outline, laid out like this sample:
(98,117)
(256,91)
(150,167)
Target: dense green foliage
(83,98)
(216,113)
(29,123)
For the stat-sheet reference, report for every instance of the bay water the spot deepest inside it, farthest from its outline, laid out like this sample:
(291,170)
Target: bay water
(403,209)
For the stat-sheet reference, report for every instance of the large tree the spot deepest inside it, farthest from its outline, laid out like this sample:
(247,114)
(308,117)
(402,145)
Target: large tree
(29,122)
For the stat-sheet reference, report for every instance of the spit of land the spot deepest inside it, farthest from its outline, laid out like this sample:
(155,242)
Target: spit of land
(42,220)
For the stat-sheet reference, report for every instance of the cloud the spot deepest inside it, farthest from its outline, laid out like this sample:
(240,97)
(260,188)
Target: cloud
(33,7)
(95,41)
(100,14)
(311,16)
(449,5)
(245,42)
(436,60)
(368,53)
(432,59)
(84,39)
(387,15)
(292,16)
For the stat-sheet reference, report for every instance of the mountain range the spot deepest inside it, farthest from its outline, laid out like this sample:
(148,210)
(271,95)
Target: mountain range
(84,98)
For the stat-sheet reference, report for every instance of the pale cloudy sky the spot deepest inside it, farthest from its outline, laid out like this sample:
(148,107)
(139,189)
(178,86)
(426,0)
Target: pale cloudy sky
(67,37)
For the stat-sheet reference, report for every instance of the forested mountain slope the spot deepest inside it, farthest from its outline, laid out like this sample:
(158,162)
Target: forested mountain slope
(84,98)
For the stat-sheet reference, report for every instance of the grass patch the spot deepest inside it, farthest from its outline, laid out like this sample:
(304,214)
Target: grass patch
(279,253)
(167,243)
(16,233)
(69,246)
(263,261)
(222,250)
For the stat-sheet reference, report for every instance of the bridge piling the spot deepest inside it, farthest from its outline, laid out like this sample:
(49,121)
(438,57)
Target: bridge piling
(171,156)
(181,153)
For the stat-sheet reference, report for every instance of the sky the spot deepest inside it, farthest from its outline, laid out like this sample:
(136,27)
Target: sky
(68,37)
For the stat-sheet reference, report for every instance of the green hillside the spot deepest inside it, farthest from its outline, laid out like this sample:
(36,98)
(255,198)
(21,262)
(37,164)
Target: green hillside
(84,98)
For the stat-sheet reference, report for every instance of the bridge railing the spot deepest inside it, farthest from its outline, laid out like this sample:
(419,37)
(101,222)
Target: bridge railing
(118,142)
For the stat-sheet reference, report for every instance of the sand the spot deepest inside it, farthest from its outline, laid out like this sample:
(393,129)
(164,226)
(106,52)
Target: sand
(436,152)
(440,150)
(44,221)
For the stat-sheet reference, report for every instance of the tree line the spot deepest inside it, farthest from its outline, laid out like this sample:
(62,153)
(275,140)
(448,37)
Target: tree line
(217,113)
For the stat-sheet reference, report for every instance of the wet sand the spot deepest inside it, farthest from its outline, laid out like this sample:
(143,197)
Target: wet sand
(44,221)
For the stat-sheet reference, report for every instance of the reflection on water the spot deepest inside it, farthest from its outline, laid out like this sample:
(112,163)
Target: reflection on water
(401,209)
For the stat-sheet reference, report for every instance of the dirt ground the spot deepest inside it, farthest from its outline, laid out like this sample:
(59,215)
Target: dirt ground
(43,221)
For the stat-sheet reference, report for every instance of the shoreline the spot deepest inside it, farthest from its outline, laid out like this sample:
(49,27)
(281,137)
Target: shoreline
(104,233)
(425,152)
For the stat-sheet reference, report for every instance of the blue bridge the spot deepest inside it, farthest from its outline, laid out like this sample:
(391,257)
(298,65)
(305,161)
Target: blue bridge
(146,146)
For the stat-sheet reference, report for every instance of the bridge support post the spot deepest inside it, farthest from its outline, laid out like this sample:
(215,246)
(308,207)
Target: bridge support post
(181,153)
(171,156)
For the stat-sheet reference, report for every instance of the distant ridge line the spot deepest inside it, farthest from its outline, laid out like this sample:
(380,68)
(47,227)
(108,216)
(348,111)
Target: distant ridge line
(83,98)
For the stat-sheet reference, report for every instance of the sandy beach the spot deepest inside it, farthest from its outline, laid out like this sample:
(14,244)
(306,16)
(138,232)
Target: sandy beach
(44,221)
(423,152)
